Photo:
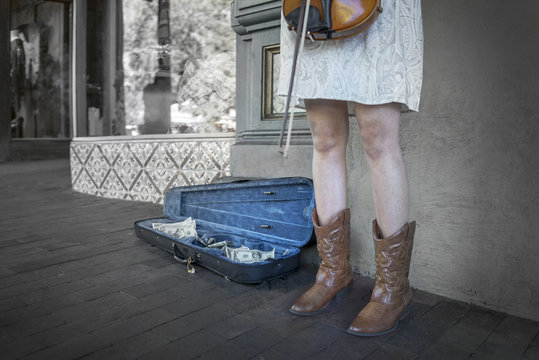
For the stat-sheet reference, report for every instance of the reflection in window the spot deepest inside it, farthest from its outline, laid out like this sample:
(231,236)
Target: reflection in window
(39,69)
(178,66)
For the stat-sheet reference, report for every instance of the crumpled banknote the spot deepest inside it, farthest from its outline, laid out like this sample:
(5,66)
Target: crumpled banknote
(211,243)
(187,228)
(182,229)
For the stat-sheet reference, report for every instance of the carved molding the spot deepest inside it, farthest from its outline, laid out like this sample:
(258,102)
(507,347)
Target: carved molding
(255,15)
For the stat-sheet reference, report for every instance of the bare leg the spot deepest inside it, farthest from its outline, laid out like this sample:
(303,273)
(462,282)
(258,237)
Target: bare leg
(379,128)
(331,220)
(328,120)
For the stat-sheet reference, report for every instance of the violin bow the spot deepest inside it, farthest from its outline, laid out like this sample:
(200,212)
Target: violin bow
(298,48)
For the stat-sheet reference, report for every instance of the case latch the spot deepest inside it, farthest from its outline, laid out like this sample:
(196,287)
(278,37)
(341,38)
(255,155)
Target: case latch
(190,267)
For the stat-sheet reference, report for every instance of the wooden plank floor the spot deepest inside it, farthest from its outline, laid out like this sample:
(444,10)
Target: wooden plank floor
(75,282)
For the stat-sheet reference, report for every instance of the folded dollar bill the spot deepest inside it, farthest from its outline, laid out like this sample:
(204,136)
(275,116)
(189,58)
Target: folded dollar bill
(247,256)
(220,244)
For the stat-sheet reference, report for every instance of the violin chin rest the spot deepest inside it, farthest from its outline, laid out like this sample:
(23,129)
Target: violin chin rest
(314,22)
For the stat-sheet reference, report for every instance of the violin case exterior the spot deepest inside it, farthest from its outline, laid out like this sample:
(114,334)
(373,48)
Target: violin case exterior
(260,214)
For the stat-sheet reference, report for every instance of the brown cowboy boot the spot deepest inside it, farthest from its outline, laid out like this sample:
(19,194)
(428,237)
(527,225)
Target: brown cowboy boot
(335,271)
(391,295)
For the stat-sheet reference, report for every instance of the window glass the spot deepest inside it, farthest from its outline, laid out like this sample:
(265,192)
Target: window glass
(178,64)
(39,69)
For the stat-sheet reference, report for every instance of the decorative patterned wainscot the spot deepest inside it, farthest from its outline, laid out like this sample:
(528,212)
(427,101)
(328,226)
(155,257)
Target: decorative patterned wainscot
(143,168)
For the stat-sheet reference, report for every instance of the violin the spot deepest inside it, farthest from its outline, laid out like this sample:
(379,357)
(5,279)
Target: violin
(333,19)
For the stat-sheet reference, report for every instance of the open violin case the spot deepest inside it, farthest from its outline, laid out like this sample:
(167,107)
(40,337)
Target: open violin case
(259,214)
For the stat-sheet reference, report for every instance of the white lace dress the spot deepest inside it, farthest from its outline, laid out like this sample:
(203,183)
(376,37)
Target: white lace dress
(381,65)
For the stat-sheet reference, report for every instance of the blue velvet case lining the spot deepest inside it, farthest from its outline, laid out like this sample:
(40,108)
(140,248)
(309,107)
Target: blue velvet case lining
(220,234)
(276,210)
(260,214)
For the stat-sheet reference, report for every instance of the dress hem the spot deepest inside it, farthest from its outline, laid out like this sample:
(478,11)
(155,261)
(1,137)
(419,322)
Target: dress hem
(405,105)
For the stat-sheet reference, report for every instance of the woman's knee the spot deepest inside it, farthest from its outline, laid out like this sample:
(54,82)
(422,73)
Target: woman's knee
(329,125)
(379,131)
(373,139)
(378,143)
(328,142)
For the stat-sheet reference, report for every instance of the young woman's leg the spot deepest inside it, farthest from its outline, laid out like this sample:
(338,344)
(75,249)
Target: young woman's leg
(328,120)
(392,234)
(331,218)
(379,130)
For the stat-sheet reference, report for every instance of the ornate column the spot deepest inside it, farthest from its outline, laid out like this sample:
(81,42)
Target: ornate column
(158,96)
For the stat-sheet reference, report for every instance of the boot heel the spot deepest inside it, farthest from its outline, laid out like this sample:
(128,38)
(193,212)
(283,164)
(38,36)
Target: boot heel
(405,312)
(344,291)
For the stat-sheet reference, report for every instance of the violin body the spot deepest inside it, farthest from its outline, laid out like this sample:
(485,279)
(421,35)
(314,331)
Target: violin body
(333,19)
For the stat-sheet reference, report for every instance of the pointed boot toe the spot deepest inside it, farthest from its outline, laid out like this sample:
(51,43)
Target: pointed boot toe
(391,295)
(335,272)
(374,320)
(305,309)
(303,306)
